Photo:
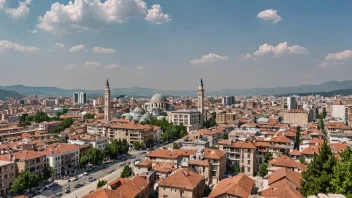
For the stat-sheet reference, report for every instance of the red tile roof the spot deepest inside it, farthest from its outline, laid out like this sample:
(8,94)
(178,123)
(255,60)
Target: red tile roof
(237,186)
(182,178)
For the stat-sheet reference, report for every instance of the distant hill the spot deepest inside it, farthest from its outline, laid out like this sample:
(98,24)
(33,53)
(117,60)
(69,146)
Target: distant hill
(341,92)
(8,93)
(148,92)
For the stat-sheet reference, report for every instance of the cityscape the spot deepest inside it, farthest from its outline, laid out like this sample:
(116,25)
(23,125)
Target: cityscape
(171,105)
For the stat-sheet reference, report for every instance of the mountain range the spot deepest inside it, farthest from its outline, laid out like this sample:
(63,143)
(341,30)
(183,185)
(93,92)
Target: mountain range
(148,92)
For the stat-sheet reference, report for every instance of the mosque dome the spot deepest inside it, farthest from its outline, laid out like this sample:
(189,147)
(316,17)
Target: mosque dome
(136,119)
(158,98)
(128,117)
(138,110)
(117,115)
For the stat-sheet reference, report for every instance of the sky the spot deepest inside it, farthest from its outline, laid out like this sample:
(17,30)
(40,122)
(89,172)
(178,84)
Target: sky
(170,45)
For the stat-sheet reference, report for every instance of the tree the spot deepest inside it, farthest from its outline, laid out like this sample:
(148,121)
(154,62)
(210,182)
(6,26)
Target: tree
(298,138)
(150,143)
(225,136)
(41,117)
(263,169)
(101,183)
(88,116)
(175,145)
(126,172)
(324,113)
(93,155)
(116,147)
(316,178)
(211,121)
(236,169)
(342,177)
(170,131)
(267,157)
(322,126)
(25,180)
(47,172)
(207,191)
(302,160)
(137,145)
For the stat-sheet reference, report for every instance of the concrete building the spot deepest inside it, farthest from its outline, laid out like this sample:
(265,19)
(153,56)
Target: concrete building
(82,98)
(298,117)
(7,175)
(133,132)
(192,119)
(223,117)
(29,160)
(291,103)
(49,126)
(228,100)
(75,98)
(339,112)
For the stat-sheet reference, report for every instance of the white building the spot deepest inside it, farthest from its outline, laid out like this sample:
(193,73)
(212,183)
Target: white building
(82,98)
(339,112)
(49,126)
(192,119)
(291,103)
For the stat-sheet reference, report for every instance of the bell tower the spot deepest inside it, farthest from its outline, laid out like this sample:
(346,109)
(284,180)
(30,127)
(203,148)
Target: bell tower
(107,102)
(201,97)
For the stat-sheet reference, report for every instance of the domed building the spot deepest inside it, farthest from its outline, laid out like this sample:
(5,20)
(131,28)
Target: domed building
(158,101)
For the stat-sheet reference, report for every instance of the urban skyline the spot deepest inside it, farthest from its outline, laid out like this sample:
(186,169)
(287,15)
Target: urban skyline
(223,43)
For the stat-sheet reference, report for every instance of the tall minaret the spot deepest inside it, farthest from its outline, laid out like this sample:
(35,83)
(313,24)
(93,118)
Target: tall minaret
(107,102)
(201,97)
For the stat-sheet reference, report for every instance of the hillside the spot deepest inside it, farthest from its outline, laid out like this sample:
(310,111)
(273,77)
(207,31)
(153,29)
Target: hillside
(7,93)
(341,92)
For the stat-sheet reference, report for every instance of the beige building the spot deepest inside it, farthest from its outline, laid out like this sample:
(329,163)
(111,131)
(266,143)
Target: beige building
(49,126)
(182,183)
(7,175)
(192,119)
(223,117)
(132,132)
(240,154)
(298,117)
(29,160)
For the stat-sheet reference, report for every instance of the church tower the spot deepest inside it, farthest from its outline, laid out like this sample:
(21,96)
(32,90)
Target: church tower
(201,97)
(107,102)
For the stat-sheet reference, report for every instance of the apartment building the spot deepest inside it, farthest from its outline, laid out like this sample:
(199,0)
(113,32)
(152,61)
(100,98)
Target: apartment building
(224,117)
(131,132)
(101,129)
(99,142)
(49,126)
(239,186)
(210,135)
(7,175)
(298,117)
(29,160)
(63,158)
(182,183)
(241,154)
(192,119)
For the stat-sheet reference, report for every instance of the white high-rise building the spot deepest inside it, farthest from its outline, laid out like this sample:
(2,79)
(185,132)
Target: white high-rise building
(291,102)
(82,98)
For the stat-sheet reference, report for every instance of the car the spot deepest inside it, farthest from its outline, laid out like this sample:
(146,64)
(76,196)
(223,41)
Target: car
(59,194)
(49,186)
(91,179)
(122,164)
(72,179)
(133,157)
(67,190)
(143,152)
(85,174)
(77,186)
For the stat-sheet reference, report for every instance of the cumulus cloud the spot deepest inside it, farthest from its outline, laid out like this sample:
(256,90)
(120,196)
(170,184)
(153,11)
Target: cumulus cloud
(246,57)
(90,15)
(78,48)
(208,58)
(2,4)
(269,15)
(111,66)
(156,15)
(337,58)
(91,64)
(139,67)
(60,45)
(21,11)
(103,50)
(70,66)
(281,48)
(6,46)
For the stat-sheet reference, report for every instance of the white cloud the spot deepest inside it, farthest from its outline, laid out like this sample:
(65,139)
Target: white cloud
(34,31)
(21,11)
(208,58)
(140,67)
(156,15)
(91,64)
(337,58)
(281,48)
(83,15)
(103,50)
(269,15)
(78,48)
(6,46)
(70,66)
(247,57)
(60,45)
(111,66)
(2,4)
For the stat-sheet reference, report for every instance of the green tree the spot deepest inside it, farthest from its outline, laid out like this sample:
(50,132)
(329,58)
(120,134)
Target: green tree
(263,169)
(225,136)
(101,183)
(236,169)
(137,145)
(207,191)
(126,172)
(116,147)
(211,121)
(298,138)
(41,117)
(324,113)
(316,178)
(47,172)
(88,116)
(170,131)
(302,160)
(24,181)
(342,176)
(267,157)
(150,143)
(175,145)
(93,155)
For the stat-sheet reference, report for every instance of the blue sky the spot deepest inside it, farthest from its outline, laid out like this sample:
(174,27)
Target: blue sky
(172,44)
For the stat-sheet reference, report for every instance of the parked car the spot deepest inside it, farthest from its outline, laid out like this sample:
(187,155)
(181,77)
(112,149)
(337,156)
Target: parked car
(67,190)
(72,179)
(77,186)
(59,194)
(85,174)
(91,179)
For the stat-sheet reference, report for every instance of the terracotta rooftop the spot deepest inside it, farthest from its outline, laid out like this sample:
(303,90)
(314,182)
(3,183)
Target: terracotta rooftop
(281,190)
(285,161)
(280,139)
(210,153)
(337,147)
(144,163)
(102,193)
(182,178)
(316,141)
(199,162)
(27,154)
(237,186)
(238,144)
(132,126)
(164,167)
(171,154)
(295,153)
(310,150)
(131,187)
(285,173)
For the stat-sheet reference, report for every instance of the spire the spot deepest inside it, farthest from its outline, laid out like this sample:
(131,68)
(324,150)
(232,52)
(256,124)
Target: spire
(107,83)
(201,81)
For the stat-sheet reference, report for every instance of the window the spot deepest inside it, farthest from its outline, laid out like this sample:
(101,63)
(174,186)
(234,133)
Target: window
(249,155)
(165,196)
(249,162)
(248,169)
